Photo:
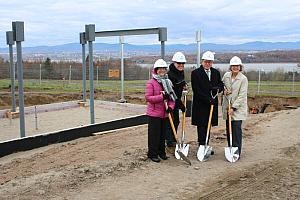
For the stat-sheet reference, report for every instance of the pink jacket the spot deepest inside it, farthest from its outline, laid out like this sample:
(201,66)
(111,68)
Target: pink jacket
(155,102)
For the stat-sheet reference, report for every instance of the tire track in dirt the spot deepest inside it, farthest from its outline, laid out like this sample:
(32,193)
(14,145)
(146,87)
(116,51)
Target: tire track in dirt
(63,155)
(255,181)
(70,165)
(62,170)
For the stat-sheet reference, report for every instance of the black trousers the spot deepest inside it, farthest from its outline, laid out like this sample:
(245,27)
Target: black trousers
(201,130)
(156,136)
(170,139)
(236,134)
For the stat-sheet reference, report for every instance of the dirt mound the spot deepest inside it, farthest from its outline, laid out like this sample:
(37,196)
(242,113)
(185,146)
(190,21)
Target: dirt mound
(265,104)
(271,104)
(31,99)
(46,98)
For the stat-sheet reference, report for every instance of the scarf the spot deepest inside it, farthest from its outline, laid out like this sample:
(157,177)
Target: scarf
(175,74)
(177,78)
(167,85)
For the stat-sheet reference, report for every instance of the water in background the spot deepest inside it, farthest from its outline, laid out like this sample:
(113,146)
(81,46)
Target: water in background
(267,67)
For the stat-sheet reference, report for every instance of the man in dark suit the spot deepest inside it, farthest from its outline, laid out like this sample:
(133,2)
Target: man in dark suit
(206,83)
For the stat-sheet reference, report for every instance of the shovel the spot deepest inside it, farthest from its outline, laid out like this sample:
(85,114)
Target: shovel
(204,151)
(181,155)
(184,148)
(231,153)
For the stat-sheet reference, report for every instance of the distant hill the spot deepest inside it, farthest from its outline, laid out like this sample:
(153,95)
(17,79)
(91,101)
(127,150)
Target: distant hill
(170,48)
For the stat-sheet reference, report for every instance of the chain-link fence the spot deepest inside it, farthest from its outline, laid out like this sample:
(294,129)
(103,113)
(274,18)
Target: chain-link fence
(272,78)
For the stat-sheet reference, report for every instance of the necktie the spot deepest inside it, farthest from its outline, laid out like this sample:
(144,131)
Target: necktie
(208,73)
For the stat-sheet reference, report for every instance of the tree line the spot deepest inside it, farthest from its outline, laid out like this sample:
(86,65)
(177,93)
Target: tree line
(132,70)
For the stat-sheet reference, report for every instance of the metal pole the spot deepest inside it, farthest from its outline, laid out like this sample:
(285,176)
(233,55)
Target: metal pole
(83,74)
(20,88)
(90,36)
(97,75)
(258,86)
(35,116)
(70,74)
(40,74)
(162,37)
(162,49)
(293,89)
(12,78)
(91,69)
(121,40)
(198,39)
(10,42)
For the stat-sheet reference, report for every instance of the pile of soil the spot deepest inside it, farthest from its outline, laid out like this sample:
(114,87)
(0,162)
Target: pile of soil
(267,104)
(31,99)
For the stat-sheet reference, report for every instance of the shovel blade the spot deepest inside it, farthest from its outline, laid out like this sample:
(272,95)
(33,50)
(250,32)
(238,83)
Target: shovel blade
(183,157)
(184,148)
(204,152)
(232,154)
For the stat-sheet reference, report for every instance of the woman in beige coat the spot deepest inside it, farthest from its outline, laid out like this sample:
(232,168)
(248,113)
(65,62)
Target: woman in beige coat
(236,87)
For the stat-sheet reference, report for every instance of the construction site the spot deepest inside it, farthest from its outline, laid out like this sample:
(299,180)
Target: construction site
(113,164)
(92,143)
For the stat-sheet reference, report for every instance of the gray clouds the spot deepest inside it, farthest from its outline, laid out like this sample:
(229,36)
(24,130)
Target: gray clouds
(55,22)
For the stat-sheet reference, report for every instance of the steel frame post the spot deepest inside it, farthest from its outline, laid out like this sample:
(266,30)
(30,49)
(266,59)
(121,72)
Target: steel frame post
(18,32)
(198,40)
(10,41)
(83,42)
(90,37)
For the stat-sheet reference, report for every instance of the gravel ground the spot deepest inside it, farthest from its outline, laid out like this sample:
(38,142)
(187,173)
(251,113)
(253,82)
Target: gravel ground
(114,165)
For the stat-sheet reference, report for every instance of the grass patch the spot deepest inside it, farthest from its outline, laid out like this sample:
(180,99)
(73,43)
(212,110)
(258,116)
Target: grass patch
(267,88)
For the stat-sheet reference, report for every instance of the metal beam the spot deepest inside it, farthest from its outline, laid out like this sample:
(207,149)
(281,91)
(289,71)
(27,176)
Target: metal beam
(161,31)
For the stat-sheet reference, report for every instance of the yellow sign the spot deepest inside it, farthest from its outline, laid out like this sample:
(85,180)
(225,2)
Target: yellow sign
(113,73)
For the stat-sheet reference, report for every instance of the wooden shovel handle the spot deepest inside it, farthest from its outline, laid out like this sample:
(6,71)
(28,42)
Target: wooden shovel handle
(229,118)
(171,122)
(183,115)
(209,119)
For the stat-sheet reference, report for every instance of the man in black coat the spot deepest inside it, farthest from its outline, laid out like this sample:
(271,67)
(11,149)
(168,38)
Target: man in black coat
(206,83)
(176,75)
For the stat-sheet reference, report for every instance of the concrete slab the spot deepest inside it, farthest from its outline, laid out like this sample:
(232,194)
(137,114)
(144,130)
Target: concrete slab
(54,117)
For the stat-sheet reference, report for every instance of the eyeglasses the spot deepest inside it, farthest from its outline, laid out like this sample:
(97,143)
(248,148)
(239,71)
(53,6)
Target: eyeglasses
(162,68)
(180,63)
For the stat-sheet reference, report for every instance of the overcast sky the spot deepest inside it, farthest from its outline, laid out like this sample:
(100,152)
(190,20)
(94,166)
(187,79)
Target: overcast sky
(54,22)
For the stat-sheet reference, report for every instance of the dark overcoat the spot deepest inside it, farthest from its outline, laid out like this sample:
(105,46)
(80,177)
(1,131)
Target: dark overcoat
(202,99)
(177,79)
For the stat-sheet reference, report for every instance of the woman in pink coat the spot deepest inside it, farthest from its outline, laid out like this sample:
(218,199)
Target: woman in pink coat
(158,90)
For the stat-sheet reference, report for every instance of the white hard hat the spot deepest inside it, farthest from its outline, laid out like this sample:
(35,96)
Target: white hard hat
(235,61)
(179,57)
(208,55)
(160,63)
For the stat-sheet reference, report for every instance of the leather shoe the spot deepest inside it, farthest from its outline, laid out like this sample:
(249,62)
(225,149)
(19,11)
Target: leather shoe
(164,157)
(155,159)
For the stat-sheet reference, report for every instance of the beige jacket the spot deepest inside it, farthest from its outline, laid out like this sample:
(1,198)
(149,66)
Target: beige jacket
(239,89)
